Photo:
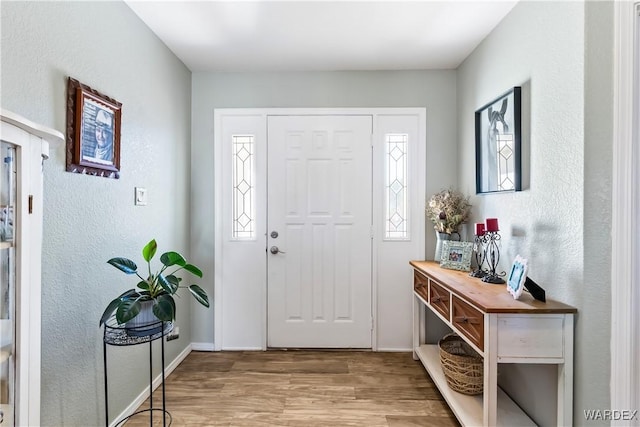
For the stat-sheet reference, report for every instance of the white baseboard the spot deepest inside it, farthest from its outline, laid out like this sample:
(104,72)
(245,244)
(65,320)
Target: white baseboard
(243,349)
(133,407)
(202,346)
(395,350)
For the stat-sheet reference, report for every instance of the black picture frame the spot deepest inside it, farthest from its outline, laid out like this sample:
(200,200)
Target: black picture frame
(93,131)
(499,144)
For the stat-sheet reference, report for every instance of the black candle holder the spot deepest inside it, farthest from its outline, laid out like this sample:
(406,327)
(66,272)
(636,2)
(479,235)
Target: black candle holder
(492,257)
(478,247)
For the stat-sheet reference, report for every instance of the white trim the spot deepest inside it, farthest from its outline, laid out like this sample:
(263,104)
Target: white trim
(417,231)
(625,307)
(375,247)
(202,346)
(133,406)
(32,142)
(244,349)
(217,244)
(48,134)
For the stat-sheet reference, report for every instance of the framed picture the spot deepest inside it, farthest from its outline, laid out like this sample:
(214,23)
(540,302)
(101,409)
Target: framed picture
(498,144)
(456,255)
(93,131)
(517,277)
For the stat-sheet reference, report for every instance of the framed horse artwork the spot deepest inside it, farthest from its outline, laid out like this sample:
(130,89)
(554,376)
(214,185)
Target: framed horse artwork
(498,144)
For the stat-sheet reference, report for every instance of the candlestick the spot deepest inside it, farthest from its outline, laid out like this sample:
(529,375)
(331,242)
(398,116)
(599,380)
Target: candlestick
(491,241)
(479,229)
(479,250)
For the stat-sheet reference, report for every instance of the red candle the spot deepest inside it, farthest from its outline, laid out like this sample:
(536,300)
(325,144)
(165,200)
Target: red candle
(492,224)
(479,229)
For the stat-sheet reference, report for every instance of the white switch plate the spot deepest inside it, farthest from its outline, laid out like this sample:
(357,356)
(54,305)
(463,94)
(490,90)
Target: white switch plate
(141,196)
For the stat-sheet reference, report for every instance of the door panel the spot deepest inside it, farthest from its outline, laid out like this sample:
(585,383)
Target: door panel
(319,203)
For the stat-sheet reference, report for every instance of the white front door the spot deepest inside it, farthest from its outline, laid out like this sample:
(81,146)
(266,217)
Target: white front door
(319,257)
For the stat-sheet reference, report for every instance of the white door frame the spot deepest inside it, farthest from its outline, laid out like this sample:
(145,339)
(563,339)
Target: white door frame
(625,269)
(416,215)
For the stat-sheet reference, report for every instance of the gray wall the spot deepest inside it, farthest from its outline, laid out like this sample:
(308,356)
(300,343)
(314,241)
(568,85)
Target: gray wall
(435,90)
(88,220)
(560,53)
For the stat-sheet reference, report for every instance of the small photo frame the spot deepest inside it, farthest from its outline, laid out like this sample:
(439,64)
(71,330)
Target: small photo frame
(456,255)
(93,131)
(517,277)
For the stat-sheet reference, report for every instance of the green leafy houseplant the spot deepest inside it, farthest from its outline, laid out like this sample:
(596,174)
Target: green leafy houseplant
(159,287)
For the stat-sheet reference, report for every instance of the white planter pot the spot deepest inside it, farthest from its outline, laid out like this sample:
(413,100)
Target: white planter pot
(145,323)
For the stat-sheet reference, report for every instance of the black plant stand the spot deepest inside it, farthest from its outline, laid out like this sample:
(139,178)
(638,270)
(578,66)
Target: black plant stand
(119,335)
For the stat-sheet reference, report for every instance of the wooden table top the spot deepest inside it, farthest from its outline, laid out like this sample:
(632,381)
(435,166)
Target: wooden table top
(488,297)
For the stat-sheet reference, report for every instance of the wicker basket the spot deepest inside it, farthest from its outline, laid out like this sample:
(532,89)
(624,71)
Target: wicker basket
(461,364)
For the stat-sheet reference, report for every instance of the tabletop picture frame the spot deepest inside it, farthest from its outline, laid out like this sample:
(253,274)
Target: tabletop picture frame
(517,277)
(456,255)
(93,131)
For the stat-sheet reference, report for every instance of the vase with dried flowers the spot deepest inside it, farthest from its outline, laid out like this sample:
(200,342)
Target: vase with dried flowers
(447,210)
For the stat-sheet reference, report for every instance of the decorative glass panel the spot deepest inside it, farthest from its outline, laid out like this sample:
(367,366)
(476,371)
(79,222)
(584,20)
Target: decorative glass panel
(7,283)
(396,203)
(243,215)
(506,172)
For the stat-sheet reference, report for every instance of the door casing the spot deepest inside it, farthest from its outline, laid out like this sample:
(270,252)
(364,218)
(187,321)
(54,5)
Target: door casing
(625,226)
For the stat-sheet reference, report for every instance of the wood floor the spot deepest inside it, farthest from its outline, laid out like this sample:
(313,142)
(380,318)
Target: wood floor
(300,388)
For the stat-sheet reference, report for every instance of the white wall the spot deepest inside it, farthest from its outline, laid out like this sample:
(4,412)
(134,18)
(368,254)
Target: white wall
(434,90)
(560,219)
(88,220)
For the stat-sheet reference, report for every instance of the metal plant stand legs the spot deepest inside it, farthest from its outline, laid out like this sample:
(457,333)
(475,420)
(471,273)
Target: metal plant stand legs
(121,336)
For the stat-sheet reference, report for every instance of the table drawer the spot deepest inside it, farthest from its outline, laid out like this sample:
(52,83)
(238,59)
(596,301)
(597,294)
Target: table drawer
(468,320)
(439,299)
(420,285)
(530,337)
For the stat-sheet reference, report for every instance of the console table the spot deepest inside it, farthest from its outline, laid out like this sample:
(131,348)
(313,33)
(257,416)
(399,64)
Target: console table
(500,329)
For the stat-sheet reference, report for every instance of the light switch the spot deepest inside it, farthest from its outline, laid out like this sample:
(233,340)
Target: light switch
(141,196)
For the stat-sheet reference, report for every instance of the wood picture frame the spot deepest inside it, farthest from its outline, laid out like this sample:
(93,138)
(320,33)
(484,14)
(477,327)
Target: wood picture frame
(498,144)
(456,255)
(93,131)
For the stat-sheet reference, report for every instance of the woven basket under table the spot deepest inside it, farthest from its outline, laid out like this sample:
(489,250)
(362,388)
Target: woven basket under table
(461,364)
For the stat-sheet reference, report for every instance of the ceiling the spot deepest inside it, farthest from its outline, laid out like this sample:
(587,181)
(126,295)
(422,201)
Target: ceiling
(321,35)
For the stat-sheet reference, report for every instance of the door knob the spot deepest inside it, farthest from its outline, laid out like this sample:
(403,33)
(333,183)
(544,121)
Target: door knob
(274,250)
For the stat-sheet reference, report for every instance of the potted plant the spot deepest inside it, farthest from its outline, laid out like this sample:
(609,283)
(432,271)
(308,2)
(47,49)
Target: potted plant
(153,293)
(447,209)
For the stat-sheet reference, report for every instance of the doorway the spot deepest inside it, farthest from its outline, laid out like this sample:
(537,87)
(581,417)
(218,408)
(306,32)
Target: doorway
(307,204)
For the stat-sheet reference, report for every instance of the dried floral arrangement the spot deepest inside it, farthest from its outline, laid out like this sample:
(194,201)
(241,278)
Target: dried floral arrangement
(447,210)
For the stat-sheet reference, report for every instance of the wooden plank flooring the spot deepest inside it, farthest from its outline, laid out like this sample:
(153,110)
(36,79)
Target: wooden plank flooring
(302,389)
